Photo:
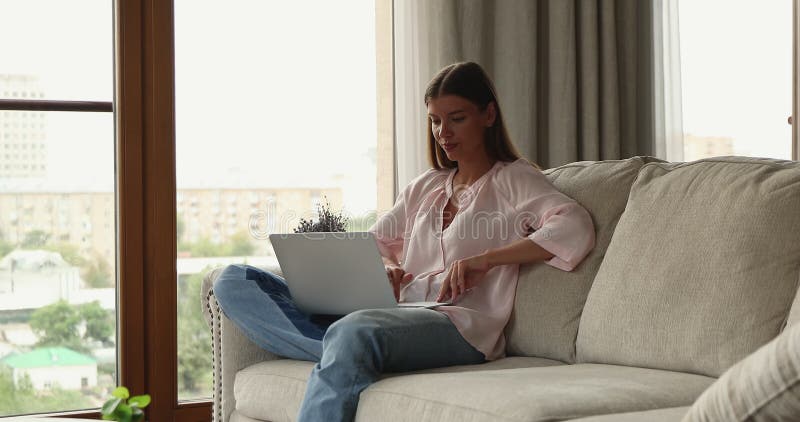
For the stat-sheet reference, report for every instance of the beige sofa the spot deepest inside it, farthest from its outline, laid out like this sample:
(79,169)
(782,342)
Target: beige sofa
(696,267)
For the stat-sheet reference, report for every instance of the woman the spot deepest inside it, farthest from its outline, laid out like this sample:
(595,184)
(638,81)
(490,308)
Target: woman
(457,232)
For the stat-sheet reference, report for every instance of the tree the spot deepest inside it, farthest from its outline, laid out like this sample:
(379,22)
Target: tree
(180,226)
(204,247)
(34,239)
(5,248)
(99,322)
(69,252)
(194,338)
(240,245)
(97,273)
(58,324)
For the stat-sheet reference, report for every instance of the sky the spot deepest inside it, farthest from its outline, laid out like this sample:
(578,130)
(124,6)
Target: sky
(75,65)
(267,94)
(270,94)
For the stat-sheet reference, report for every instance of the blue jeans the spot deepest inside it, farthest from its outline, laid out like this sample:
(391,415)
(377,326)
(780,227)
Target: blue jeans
(351,351)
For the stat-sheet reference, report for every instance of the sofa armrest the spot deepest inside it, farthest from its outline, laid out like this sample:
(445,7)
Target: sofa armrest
(232,350)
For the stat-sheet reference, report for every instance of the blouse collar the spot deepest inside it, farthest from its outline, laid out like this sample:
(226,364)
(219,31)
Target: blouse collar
(475,186)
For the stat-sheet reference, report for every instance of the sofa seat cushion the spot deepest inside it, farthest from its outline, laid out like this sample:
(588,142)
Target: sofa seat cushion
(273,390)
(238,417)
(529,394)
(701,270)
(672,414)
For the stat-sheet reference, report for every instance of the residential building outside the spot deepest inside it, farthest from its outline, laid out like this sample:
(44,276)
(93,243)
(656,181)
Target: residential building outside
(87,219)
(23,151)
(30,279)
(53,367)
(697,147)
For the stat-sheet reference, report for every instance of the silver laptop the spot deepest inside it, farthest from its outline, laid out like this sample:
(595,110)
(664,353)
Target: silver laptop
(336,273)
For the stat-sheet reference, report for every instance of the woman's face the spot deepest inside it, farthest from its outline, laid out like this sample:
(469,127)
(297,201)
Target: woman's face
(459,126)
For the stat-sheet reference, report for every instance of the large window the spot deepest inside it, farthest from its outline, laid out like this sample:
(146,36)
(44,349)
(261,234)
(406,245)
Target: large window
(87,219)
(736,70)
(58,253)
(276,114)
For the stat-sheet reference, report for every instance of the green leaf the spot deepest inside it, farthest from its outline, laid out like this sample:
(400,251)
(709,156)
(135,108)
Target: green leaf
(123,413)
(138,414)
(110,406)
(121,392)
(140,401)
(109,417)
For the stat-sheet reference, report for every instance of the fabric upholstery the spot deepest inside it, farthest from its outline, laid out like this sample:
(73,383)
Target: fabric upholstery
(672,414)
(794,312)
(532,394)
(274,390)
(763,387)
(238,417)
(549,301)
(687,308)
(702,268)
(232,351)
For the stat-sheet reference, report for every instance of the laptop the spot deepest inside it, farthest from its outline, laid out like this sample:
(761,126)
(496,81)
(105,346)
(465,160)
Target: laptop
(336,273)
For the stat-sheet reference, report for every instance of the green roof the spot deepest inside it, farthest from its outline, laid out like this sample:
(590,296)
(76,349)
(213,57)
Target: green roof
(47,357)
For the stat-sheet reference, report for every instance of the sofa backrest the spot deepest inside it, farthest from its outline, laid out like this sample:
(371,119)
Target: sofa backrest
(702,268)
(549,301)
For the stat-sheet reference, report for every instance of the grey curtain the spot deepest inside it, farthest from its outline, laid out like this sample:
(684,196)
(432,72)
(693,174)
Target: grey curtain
(574,77)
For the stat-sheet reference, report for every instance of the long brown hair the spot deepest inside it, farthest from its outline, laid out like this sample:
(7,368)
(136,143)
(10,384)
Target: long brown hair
(469,81)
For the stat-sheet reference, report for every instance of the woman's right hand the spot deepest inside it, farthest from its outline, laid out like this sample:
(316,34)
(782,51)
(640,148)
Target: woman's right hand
(398,278)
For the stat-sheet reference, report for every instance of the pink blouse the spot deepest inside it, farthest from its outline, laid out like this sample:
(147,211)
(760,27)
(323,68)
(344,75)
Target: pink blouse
(504,205)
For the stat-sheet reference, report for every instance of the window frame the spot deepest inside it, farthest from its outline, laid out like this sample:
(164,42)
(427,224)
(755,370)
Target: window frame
(55,105)
(145,99)
(144,117)
(145,200)
(17,104)
(146,195)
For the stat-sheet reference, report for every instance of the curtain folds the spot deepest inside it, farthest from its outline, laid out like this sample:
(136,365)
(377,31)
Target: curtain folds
(574,77)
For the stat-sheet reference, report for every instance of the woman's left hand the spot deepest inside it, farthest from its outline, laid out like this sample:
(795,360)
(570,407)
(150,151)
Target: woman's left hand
(463,275)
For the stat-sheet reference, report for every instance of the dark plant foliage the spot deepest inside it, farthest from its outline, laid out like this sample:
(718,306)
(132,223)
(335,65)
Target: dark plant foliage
(328,221)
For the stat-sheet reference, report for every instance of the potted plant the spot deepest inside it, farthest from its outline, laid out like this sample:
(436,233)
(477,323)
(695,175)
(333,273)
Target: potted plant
(124,408)
(328,221)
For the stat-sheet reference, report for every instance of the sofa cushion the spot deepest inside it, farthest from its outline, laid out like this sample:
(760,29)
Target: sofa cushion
(274,390)
(702,268)
(238,417)
(531,394)
(671,414)
(763,387)
(549,301)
